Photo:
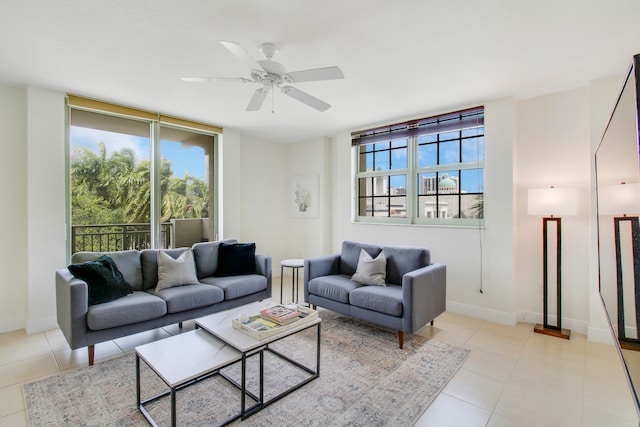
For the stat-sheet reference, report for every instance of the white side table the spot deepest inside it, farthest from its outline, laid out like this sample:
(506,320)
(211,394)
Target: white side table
(295,265)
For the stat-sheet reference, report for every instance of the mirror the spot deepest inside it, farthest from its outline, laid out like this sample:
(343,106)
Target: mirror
(618,208)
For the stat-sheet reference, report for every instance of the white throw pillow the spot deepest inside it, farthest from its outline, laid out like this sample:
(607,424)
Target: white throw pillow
(176,272)
(371,271)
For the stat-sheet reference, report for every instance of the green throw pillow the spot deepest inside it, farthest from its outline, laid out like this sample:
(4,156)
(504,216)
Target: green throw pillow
(105,281)
(235,259)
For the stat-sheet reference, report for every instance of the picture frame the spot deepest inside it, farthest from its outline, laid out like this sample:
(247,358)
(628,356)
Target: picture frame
(302,196)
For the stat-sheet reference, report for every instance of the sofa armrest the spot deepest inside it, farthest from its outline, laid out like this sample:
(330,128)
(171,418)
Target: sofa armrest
(72,305)
(424,295)
(264,268)
(321,266)
(318,267)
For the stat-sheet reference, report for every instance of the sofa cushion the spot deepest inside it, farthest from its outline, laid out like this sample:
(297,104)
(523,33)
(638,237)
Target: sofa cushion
(238,286)
(402,260)
(335,287)
(104,280)
(134,308)
(176,272)
(387,300)
(236,259)
(149,263)
(351,254)
(371,271)
(206,257)
(128,263)
(187,297)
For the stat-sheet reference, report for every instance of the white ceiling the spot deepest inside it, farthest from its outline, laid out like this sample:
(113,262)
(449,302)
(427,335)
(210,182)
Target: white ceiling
(401,59)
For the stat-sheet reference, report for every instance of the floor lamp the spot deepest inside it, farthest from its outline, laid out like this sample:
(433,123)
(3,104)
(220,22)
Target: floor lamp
(550,203)
(623,201)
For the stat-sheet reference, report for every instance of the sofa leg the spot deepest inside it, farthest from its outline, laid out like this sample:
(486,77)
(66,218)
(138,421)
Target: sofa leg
(432,323)
(92,351)
(401,339)
(180,325)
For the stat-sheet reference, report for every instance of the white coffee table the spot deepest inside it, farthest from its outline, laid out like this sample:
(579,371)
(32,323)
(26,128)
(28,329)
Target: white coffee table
(181,360)
(219,325)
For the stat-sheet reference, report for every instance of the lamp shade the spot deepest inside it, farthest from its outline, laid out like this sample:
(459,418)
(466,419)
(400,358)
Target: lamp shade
(619,199)
(552,201)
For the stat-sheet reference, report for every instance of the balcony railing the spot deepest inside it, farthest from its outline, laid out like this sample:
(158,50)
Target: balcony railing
(116,237)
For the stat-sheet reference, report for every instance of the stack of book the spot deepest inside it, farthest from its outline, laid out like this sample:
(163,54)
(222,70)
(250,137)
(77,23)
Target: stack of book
(274,320)
(280,314)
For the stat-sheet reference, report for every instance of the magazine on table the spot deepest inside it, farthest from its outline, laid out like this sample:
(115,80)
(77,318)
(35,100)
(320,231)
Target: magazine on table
(281,314)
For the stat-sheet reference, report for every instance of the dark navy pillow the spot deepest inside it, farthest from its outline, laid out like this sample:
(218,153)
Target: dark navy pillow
(105,281)
(235,259)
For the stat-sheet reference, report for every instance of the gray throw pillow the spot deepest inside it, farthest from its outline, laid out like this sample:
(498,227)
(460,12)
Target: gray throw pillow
(371,271)
(176,272)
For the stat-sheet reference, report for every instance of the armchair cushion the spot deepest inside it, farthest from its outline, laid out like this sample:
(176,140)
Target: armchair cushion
(382,300)
(103,278)
(135,308)
(335,287)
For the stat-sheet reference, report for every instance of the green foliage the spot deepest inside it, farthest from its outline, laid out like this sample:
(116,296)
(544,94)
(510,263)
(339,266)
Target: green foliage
(116,189)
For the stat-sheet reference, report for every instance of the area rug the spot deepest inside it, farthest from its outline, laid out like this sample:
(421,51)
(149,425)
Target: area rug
(365,380)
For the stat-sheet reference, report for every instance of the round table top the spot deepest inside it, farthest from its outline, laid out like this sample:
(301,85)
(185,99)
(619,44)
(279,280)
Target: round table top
(292,262)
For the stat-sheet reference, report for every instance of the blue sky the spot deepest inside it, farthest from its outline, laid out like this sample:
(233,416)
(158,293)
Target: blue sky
(183,159)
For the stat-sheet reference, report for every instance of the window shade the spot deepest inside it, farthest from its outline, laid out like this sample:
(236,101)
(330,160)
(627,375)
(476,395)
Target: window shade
(459,120)
(106,107)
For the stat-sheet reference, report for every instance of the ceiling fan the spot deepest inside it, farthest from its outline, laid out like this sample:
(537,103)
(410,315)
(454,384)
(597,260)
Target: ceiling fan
(270,75)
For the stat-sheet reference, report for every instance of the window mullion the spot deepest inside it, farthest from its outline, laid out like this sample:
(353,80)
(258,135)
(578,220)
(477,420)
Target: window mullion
(156,196)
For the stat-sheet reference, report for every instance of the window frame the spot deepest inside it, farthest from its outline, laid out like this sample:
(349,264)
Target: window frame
(412,132)
(155,121)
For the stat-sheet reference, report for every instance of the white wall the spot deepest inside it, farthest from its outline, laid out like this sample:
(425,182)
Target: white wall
(309,237)
(13,216)
(553,149)
(46,203)
(252,195)
(458,248)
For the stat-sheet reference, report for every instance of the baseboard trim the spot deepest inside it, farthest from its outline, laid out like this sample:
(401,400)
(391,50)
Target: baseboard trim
(600,335)
(11,324)
(488,314)
(42,324)
(577,326)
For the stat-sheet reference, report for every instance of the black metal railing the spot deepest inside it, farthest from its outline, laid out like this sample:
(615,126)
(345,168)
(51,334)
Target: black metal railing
(116,237)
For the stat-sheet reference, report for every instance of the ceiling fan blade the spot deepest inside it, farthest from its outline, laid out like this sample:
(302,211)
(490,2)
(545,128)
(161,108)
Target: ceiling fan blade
(305,98)
(219,79)
(315,74)
(257,99)
(241,54)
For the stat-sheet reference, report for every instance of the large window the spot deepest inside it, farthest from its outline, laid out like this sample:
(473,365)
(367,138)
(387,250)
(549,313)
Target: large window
(426,171)
(138,180)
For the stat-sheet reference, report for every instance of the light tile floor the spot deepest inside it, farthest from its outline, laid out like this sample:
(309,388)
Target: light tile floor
(513,377)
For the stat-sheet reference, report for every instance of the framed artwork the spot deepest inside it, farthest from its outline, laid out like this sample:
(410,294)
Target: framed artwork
(302,196)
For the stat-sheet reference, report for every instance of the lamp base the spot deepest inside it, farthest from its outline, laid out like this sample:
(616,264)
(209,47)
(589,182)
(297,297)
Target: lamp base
(558,333)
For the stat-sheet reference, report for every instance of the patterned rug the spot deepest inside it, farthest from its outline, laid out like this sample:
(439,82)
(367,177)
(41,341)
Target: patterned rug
(365,380)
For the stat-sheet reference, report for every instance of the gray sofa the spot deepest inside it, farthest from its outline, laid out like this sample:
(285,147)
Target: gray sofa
(414,295)
(85,325)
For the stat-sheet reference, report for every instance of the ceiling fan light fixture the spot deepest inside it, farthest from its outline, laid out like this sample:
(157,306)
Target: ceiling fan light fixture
(268,50)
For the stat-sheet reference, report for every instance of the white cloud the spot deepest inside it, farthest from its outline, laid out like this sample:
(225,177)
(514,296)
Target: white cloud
(114,142)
